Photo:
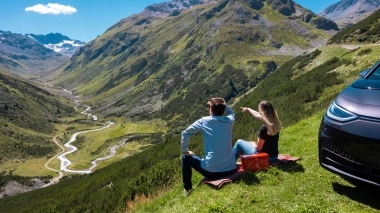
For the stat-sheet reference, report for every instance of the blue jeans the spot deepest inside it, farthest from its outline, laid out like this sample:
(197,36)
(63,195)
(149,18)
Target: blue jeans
(194,161)
(243,147)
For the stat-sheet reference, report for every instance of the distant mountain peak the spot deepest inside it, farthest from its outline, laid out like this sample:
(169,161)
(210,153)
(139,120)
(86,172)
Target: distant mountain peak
(24,54)
(51,38)
(172,7)
(348,12)
(58,43)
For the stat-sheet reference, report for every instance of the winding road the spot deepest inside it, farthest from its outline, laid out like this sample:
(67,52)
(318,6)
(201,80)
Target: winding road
(56,179)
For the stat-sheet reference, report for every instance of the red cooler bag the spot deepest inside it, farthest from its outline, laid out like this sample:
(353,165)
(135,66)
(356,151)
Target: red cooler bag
(255,162)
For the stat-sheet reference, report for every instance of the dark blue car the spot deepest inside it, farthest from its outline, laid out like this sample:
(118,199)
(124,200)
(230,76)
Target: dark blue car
(349,134)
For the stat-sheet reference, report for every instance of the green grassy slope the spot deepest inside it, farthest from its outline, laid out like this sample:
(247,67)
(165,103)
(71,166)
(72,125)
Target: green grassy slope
(27,118)
(303,186)
(301,89)
(158,168)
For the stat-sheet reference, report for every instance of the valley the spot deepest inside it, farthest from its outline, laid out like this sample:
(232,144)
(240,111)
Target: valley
(85,160)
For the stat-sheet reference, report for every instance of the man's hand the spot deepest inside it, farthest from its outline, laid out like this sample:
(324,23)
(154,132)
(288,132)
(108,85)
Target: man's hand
(188,153)
(208,104)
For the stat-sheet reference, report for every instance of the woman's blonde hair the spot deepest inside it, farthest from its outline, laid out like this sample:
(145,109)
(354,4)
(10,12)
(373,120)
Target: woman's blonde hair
(270,117)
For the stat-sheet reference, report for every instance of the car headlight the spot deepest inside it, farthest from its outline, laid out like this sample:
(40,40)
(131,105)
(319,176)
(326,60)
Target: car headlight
(338,113)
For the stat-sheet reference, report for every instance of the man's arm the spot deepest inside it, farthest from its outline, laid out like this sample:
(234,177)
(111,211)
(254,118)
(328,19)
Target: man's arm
(229,112)
(187,133)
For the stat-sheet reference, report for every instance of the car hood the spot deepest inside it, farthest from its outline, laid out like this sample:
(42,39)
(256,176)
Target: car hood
(366,84)
(362,97)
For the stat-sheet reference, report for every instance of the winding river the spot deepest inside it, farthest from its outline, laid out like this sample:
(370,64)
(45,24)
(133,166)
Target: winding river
(69,148)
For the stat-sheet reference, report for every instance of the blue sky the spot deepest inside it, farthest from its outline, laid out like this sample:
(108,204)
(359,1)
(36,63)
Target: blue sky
(84,19)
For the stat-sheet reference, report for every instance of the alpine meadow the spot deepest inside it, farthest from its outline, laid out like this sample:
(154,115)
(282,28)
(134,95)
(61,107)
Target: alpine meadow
(140,84)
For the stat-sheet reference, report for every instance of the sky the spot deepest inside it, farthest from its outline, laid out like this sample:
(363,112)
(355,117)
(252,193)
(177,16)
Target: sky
(84,19)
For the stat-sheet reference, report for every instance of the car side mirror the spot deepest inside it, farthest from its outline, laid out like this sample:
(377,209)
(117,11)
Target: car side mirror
(363,73)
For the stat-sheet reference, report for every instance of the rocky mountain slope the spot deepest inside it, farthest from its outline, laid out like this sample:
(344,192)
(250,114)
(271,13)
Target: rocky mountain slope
(366,31)
(22,55)
(58,43)
(349,12)
(172,8)
(161,62)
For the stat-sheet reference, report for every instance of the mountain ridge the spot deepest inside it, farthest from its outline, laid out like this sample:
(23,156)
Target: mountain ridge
(172,8)
(366,31)
(349,12)
(22,55)
(58,43)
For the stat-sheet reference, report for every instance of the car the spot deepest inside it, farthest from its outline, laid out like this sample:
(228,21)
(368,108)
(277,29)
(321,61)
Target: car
(349,133)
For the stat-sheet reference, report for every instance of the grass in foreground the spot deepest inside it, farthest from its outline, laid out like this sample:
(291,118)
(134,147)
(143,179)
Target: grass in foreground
(296,187)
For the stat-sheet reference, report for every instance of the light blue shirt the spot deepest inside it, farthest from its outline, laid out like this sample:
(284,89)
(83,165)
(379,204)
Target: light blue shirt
(217,141)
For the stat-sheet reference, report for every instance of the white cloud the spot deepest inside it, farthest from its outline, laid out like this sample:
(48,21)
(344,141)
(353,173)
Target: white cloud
(51,8)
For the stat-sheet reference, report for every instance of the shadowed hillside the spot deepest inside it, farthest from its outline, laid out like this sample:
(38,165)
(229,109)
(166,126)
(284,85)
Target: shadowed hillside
(27,116)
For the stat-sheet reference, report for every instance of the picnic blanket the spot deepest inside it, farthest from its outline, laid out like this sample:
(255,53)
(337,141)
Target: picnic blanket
(284,158)
(218,183)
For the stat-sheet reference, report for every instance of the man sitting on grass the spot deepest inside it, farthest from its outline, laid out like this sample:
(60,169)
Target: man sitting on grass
(219,159)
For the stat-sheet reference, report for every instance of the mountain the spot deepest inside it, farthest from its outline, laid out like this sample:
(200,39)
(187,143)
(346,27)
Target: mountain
(349,12)
(58,43)
(22,55)
(366,31)
(161,63)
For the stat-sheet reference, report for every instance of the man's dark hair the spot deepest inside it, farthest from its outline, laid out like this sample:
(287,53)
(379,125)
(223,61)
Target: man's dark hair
(218,105)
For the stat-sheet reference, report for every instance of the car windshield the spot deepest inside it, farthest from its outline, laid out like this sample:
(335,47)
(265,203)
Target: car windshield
(375,75)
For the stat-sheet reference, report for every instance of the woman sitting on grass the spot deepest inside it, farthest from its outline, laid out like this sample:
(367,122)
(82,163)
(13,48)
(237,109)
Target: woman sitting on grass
(268,134)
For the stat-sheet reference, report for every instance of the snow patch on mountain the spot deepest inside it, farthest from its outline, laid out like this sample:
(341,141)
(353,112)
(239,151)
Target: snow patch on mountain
(66,47)
(58,43)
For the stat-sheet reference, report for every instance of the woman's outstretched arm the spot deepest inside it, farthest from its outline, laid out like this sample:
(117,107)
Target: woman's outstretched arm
(254,113)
